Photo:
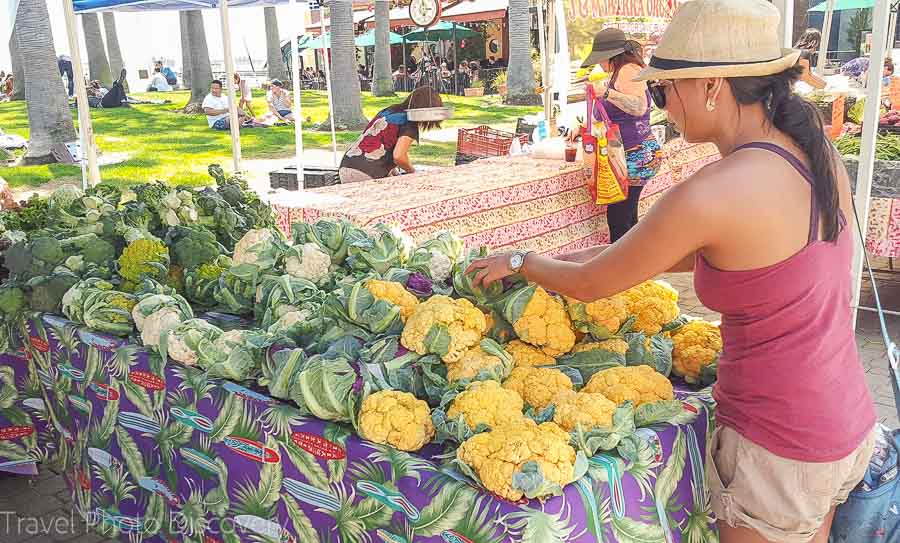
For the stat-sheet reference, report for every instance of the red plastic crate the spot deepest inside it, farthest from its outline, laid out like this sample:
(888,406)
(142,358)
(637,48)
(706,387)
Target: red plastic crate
(484,141)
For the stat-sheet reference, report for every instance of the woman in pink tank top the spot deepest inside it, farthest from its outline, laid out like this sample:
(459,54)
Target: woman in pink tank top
(765,232)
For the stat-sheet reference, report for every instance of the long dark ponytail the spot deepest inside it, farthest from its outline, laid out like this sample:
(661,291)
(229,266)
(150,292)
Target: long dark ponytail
(802,122)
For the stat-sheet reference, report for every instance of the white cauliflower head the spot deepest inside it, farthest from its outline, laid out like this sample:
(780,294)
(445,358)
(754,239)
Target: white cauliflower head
(308,262)
(439,266)
(245,250)
(158,322)
(180,351)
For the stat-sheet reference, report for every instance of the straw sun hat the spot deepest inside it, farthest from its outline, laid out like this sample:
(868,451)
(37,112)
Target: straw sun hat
(721,38)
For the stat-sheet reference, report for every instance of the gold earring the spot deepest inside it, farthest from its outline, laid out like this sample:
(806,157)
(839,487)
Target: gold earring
(710,105)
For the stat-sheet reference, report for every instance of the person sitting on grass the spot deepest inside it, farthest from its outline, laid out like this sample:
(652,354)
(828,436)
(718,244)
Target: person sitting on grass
(216,106)
(158,82)
(280,103)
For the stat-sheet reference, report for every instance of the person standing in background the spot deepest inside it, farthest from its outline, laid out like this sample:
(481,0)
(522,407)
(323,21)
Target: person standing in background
(628,105)
(245,95)
(808,45)
(64,62)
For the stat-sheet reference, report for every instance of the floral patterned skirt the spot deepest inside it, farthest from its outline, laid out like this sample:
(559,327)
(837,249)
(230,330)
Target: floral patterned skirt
(644,161)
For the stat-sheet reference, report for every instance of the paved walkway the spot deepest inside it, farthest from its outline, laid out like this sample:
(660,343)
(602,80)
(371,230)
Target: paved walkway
(38,510)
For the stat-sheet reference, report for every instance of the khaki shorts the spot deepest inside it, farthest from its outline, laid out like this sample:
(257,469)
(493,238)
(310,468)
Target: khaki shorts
(783,500)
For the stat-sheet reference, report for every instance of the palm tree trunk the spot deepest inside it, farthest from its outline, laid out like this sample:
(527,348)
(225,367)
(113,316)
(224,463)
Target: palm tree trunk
(49,116)
(348,112)
(274,58)
(201,70)
(98,64)
(17,68)
(116,64)
(185,50)
(384,82)
(520,73)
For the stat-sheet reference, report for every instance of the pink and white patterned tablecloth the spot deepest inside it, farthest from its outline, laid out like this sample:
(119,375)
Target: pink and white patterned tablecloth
(505,202)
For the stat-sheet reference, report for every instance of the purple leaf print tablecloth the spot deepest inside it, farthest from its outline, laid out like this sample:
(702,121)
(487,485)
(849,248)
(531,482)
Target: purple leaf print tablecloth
(160,453)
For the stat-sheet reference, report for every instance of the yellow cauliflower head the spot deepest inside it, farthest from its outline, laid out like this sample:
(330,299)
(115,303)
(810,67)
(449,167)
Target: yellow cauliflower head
(540,320)
(601,318)
(695,345)
(537,386)
(395,293)
(650,289)
(476,359)
(527,355)
(396,418)
(638,384)
(443,326)
(651,314)
(614,345)
(486,402)
(499,453)
(588,410)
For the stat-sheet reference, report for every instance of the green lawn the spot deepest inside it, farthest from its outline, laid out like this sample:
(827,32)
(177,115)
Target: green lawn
(162,143)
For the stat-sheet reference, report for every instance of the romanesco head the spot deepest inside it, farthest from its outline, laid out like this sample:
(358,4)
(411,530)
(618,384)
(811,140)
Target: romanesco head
(144,257)
(122,301)
(464,321)
(614,345)
(585,409)
(537,386)
(527,355)
(545,324)
(396,418)
(486,402)
(472,362)
(395,293)
(499,453)
(210,272)
(638,384)
(696,344)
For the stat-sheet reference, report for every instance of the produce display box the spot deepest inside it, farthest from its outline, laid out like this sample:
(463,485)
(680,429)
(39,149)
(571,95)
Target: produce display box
(484,141)
(315,177)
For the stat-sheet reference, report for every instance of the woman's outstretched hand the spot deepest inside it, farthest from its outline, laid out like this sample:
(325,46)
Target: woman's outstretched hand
(491,269)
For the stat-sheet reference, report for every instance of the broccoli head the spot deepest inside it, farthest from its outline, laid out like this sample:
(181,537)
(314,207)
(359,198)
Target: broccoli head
(193,246)
(46,292)
(12,300)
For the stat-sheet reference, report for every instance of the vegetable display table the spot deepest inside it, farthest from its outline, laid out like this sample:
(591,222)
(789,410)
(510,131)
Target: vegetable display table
(157,452)
(504,202)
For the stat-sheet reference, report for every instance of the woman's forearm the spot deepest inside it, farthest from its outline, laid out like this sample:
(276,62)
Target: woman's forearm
(582,255)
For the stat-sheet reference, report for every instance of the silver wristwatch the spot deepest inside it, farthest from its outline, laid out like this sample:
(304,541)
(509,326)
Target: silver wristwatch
(517,260)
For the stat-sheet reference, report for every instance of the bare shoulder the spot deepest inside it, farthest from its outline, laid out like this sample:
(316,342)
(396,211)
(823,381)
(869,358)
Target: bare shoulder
(626,77)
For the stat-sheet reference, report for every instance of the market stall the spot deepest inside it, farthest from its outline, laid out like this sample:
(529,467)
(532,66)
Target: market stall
(161,450)
(504,202)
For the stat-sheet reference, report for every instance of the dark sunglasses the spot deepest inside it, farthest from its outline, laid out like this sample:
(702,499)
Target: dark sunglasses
(658,92)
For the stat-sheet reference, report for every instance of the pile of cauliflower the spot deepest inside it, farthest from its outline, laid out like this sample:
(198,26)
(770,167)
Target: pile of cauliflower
(516,381)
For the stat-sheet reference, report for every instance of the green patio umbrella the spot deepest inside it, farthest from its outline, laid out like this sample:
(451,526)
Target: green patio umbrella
(444,30)
(314,42)
(368,39)
(843,5)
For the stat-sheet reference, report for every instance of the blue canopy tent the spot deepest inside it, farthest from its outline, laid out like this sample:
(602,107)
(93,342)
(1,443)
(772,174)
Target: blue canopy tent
(71,7)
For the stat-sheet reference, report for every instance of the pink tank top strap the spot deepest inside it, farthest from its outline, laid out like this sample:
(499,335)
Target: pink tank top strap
(803,171)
